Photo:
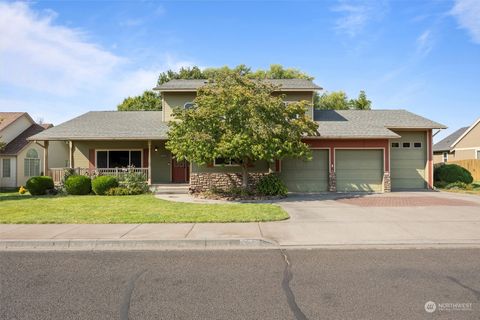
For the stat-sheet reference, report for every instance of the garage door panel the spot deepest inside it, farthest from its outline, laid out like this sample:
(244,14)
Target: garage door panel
(408,165)
(306,176)
(359,170)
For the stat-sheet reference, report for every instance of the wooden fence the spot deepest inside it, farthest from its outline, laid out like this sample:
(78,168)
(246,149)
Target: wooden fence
(471,165)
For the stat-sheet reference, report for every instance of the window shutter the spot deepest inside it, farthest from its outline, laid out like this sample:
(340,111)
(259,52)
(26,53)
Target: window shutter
(145,158)
(91,159)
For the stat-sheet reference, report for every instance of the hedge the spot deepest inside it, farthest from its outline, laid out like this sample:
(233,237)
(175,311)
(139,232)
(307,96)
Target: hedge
(38,186)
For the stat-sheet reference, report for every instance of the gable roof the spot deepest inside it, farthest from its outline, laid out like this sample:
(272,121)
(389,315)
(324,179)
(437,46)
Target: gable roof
(109,125)
(449,142)
(7,118)
(193,85)
(20,142)
(370,124)
(445,143)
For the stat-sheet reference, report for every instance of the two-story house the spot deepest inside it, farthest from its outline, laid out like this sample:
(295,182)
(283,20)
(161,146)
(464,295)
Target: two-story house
(21,159)
(355,150)
(463,144)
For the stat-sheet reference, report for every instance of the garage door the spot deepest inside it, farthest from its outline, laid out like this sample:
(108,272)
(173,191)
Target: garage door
(359,170)
(408,161)
(306,176)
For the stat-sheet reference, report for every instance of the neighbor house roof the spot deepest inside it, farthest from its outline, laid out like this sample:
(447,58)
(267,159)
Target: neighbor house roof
(343,124)
(17,144)
(109,125)
(7,118)
(193,85)
(446,143)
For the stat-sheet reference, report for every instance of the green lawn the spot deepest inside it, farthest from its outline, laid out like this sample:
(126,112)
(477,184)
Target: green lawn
(15,208)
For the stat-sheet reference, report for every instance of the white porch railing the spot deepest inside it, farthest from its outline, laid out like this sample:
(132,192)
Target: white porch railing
(58,174)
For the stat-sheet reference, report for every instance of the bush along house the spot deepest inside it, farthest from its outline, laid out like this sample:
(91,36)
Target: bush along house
(354,151)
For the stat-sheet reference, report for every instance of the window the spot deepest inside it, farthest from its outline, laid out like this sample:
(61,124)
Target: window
(119,158)
(478,154)
(417,145)
(6,168)
(31,164)
(189,105)
(445,156)
(406,145)
(226,162)
(395,145)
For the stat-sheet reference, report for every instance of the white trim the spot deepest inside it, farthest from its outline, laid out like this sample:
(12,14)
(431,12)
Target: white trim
(108,156)
(465,133)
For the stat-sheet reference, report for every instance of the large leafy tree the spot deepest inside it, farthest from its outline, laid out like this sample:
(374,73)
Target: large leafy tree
(238,118)
(148,101)
(338,100)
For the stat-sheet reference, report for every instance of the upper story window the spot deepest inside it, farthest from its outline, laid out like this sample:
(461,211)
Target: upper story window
(189,105)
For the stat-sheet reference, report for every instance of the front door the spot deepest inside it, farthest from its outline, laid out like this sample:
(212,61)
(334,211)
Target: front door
(180,171)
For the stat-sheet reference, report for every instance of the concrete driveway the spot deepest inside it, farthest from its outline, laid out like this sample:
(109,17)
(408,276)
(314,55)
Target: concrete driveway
(398,218)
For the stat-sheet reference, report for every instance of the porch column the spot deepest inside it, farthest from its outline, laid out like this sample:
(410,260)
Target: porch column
(45,158)
(149,162)
(70,154)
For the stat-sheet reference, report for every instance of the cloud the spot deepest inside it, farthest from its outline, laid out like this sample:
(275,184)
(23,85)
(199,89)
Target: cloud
(54,71)
(39,55)
(356,15)
(424,43)
(467,13)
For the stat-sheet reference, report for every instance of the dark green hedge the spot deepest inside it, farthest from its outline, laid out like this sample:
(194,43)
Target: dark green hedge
(452,173)
(38,186)
(78,185)
(100,185)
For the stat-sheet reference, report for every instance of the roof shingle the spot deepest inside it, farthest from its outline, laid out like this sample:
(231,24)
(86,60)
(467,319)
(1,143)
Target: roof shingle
(109,125)
(445,143)
(7,118)
(369,123)
(17,144)
(193,85)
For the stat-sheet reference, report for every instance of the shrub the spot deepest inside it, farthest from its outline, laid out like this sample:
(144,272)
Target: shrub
(78,185)
(440,184)
(117,191)
(100,185)
(452,173)
(38,186)
(134,182)
(457,185)
(271,185)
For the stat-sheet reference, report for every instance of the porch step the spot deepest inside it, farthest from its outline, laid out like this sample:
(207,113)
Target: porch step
(170,188)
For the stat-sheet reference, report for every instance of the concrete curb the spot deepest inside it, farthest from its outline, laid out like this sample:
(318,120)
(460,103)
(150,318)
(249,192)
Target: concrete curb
(99,245)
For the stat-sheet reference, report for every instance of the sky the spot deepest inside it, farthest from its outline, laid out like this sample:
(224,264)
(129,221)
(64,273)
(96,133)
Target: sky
(59,59)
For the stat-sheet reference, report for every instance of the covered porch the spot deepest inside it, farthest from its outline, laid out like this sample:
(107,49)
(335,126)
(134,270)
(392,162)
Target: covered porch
(148,158)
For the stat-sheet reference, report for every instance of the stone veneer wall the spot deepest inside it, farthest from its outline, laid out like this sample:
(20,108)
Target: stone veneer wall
(387,184)
(204,181)
(332,182)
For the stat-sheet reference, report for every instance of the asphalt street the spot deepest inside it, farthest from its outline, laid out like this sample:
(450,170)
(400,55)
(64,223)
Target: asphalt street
(241,284)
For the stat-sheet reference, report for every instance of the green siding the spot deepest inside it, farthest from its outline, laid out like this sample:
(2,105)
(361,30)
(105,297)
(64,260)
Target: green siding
(306,176)
(359,170)
(161,161)
(408,165)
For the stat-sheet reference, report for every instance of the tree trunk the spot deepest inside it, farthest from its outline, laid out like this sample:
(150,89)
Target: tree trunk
(244,175)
